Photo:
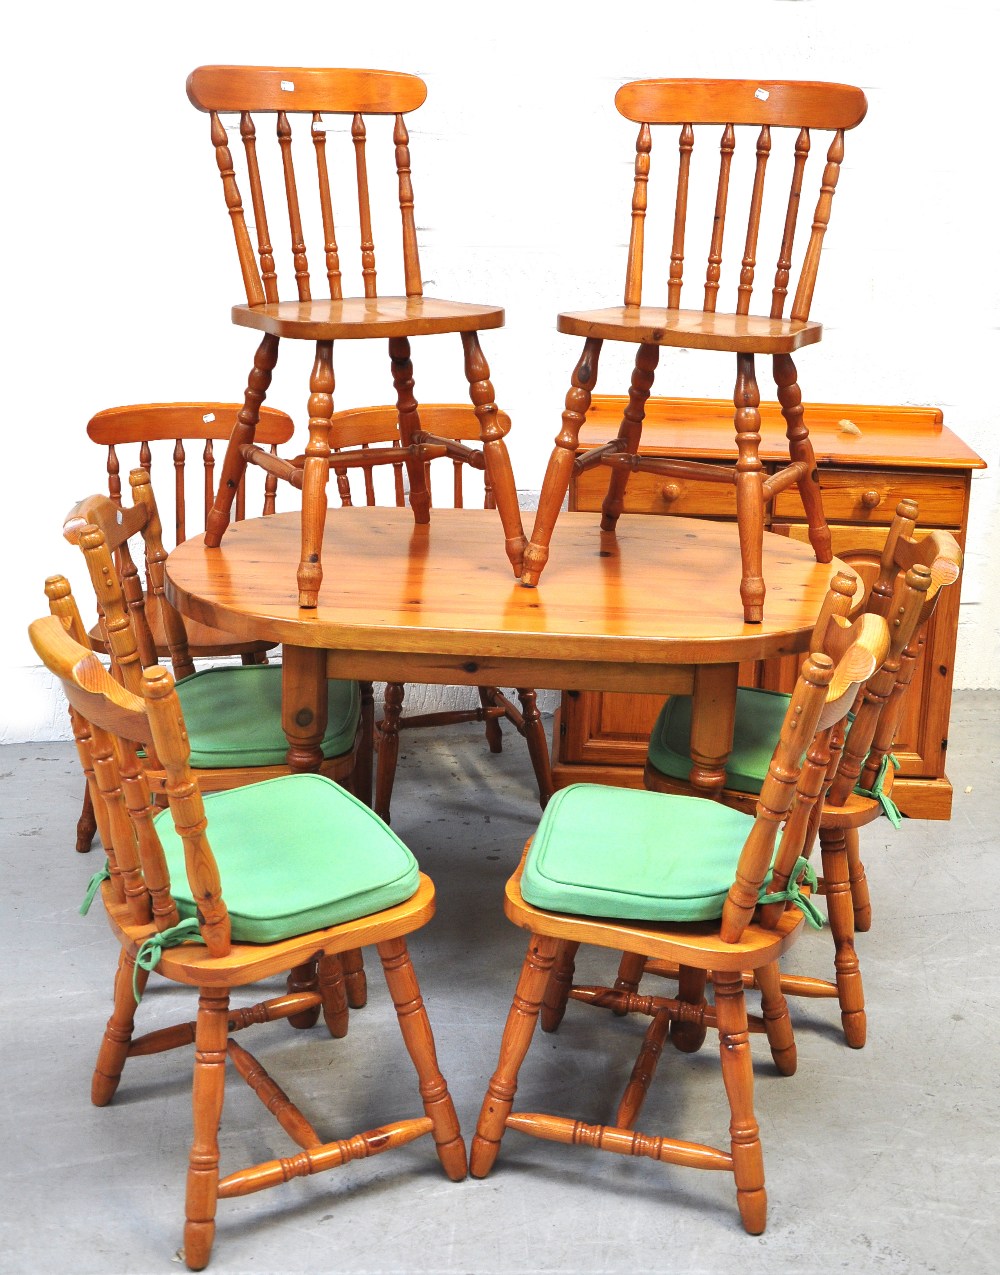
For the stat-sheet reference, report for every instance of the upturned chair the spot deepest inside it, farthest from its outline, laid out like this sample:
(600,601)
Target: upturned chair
(733,104)
(686,880)
(314,95)
(372,434)
(858,787)
(222,891)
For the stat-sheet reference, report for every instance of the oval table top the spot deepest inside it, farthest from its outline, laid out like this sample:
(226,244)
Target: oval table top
(659,591)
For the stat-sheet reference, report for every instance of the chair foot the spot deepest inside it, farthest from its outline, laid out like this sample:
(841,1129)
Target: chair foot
(777,1022)
(86,825)
(855,1024)
(117,1034)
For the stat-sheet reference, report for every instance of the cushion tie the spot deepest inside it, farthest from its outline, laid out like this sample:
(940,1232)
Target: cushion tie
(93,885)
(151,950)
(792,893)
(876,792)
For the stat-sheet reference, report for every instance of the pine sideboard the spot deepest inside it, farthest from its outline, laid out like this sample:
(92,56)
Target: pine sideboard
(869,458)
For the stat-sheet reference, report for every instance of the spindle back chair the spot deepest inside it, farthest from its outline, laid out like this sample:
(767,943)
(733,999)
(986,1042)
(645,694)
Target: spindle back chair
(371,434)
(201,896)
(696,106)
(312,96)
(685,880)
(857,789)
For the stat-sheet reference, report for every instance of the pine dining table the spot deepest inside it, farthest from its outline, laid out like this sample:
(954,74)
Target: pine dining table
(653,606)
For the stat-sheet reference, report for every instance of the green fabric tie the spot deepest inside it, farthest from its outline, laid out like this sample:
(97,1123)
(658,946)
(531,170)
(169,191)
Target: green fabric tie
(876,792)
(792,893)
(93,885)
(151,950)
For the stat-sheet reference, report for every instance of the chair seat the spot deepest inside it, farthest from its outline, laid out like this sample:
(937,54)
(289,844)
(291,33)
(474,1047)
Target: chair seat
(692,329)
(297,854)
(356,318)
(203,641)
(233,717)
(634,855)
(759,715)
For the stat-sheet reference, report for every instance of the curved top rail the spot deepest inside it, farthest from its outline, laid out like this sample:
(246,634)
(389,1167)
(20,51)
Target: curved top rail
(350,90)
(789,103)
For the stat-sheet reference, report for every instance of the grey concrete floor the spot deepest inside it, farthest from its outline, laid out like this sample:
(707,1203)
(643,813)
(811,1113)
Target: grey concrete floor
(880,1160)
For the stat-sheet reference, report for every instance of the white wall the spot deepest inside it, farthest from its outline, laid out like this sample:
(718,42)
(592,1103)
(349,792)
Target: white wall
(119,269)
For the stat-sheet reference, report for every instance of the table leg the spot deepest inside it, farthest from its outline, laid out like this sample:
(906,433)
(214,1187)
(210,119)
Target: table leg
(303,705)
(713,719)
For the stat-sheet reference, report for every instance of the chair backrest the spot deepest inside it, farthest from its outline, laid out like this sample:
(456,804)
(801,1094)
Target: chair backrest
(374,436)
(827,684)
(251,91)
(116,721)
(146,424)
(103,529)
(760,105)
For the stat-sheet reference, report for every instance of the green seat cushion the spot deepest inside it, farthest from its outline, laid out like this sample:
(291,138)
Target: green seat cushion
(295,854)
(233,716)
(759,716)
(634,855)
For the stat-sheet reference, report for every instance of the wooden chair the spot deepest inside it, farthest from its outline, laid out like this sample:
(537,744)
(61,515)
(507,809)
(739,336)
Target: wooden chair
(858,786)
(686,880)
(316,95)
(371,434)
(762,105)
(199,895)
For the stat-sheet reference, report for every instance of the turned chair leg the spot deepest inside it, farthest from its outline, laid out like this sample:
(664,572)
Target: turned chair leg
(118,1033)
(86,825)
(559,986)
(860,896)
(416,1029)
(800,451)
(211,1036)
(840,913)
(737,1075)
(409,424)
(353,965)
(499,475)
(749,489)
(630,971)
(315,472)
(685,1035)
(330,977)
(560,467)
(630,432)
(244,429)
(388,748)
(777,1022)
(304,978)
(643,1072)
(517,1035)
(491,725)
(538,745)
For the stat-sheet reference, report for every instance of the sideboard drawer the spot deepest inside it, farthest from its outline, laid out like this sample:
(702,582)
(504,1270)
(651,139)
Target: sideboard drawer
(656,494)
(871,496)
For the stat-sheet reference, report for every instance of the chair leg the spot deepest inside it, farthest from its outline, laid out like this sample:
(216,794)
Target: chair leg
(117,1034)
(643,1072)
(409,424)
(353,965)
(800,450)
(689,1037)
(737,1075)
(211,1035)
(630,432)
(315,472)
(517,1035)
(860,896)
(388,748)
(560,467)
(362,775)
(304,978)
(330,976)
(86,825)
(499,475)
(777,1022)
(494,735)
(840,912)
(559,986)
(630,971)
(419,1040)
(234,466)
(538,745)
(749,489)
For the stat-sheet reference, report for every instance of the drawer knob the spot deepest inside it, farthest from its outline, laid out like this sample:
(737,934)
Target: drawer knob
(670,492)
(871,499)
